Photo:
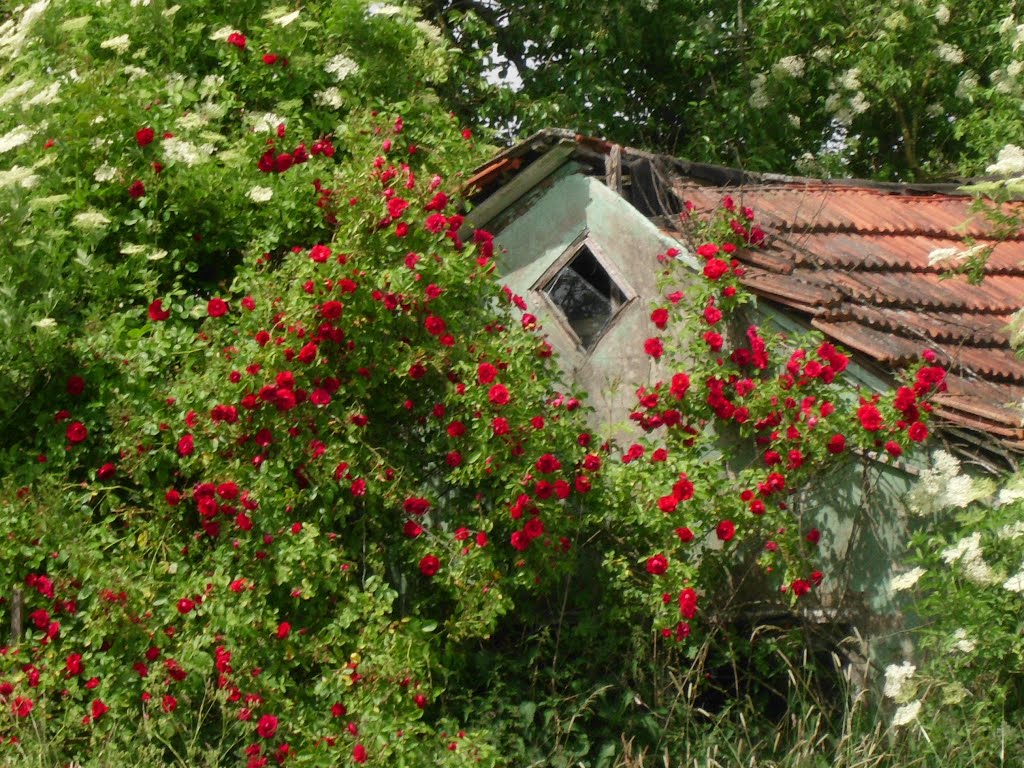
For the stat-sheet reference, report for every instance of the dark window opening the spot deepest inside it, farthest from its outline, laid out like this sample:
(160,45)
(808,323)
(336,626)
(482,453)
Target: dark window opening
(587,296)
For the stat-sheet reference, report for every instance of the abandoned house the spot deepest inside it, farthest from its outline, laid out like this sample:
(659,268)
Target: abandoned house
(578,223)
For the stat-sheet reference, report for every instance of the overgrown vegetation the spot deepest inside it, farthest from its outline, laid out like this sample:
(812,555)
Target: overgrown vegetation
(288,478)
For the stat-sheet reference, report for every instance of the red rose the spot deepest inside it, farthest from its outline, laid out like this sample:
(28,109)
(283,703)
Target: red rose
(157,313)
(654,348)
(813,536)
(98,709)
(76,432)
(498,394)
(725,530)
(270,59)
(169,703)
(75,386)
(547,464)
(430,565)
(106,471)
(22,707)
(685,535)
(237,39)
(657,565)
(660,318)
(185,606)
(267,726)
(283,630)
(136,190)
(359,754)
(186,446)
(837,444)
(144,136)
(870,418)
(917,432)
(800,587)
(688,603)
(73,664)
(216,307)
(715,268)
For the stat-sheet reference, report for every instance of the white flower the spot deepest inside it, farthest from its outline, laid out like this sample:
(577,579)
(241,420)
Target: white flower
(15,138)
(967,85)
(896,677)
(105,173)
(260,194)
(49,202)
(13,33)
(267,122)
(963,643)
(649,5)
(134,73)
(1009,162)
(15,92)
(119,44)
(850,79)
(137,3)
(822,54)
(906,714)
(433,34)
(288,18)
(1016,582)
(789,66)
(949,53)
(90,220)
(1007,24)
(329,97)
(384,9)
(210,85)
(758,92)
(172,10)
(341,66)
(18,176)
(181,151)
(859,104)
(942,14)
(45,324)
(1014,68)
(905,581)
(221,35)
(45,97)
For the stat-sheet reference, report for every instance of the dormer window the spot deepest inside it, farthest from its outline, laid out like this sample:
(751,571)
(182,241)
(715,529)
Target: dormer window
(587,292)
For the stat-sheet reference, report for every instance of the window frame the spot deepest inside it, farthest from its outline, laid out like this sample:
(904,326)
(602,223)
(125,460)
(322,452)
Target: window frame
(582,242)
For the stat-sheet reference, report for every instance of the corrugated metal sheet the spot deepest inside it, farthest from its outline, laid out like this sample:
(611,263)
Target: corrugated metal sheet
(856,262)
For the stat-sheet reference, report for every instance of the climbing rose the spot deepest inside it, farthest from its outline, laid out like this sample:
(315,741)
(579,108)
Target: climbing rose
(157,313)
(22,707)
(430,565)
(498,394)
(267,726)
(76,432)
(725,530)
(98,709)
(359,754)
(917,432)
(654,348)
(216,307)
(870,418)
(657,565)
(837,444)
(237,39)
(144,136)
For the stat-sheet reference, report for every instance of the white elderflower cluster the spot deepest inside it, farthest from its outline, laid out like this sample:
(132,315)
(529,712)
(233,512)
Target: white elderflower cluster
(1009,162)
(266,123)
(186,153)
(329,97)
(850,79)
(897,677)
(967,84)
(18,176)
(90,221)
(260,194)
(15,138)
(950,54)
(759,92)
(285,19)
(789,66)
(45,97)
(1016,582)
(384,9)
(341,66)
(941,486)
(859,104)
(105,173)
(967,552)
(119,44)
(221,35)
(906,714)
(905,581)
(15,92)
(952,256)
(942,14)
(962,642)
(14,31)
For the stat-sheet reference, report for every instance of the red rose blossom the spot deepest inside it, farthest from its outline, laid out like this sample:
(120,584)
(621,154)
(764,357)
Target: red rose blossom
(657,564)
(498,394)
(157,313)
(237,39)
(144,136)
(267,726)
(725,530)
(216,307)
(430,565)
(76,432)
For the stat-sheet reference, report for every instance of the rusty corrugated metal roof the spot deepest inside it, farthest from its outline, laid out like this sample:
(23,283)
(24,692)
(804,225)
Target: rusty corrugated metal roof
(854,261)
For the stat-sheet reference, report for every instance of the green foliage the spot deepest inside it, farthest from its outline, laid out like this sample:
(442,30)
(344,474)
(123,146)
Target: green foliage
(920,90)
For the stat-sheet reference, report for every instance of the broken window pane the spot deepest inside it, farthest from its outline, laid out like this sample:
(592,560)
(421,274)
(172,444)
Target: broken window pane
(587,296)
